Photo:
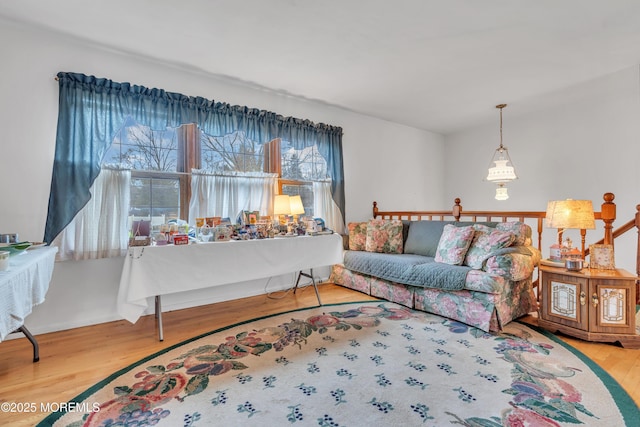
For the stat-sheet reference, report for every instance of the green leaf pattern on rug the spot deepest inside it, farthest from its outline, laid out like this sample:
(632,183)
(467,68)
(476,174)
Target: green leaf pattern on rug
(295,414)
(338,395)
(220,399)
(247,408)
(196,384)
(422,411)
(384,407)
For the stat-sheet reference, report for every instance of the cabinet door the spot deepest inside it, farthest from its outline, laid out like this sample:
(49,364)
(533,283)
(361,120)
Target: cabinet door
(564,300)
(612,306)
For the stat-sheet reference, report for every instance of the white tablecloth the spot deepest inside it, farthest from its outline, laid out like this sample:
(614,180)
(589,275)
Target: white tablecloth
(159,270)
(24,285)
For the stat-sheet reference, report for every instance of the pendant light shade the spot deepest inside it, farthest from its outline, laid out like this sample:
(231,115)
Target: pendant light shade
(501,170)
(501,193)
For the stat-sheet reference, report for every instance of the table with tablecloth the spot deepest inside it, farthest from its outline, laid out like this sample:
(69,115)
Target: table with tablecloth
(153,271)
(23,286)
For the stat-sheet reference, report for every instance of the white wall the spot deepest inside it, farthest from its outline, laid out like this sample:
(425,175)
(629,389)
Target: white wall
(379,159)
(584,145)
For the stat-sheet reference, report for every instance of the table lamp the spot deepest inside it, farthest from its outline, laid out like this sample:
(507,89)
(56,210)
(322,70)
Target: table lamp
(281,206)
(296,207)
(576,214)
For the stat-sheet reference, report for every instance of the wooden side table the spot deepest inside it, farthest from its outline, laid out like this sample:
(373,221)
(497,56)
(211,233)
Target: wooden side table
(594,305)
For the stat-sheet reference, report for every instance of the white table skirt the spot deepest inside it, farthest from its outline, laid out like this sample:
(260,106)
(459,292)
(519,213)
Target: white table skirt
(24,285)
(149,271)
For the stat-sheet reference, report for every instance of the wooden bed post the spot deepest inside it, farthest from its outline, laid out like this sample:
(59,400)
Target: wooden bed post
(375,209)
(637,223)
(638,251)
(608,215)
(457,209)
(540,222)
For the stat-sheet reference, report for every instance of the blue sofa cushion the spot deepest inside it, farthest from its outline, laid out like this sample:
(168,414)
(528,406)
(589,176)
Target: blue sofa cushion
(438,275)
(424,236)
(392,267)
(408,269)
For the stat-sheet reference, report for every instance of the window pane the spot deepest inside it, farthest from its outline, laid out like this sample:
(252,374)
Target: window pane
(155,197)
(138,147)
(306,194)
(304,165)
(146,149)
(233,152)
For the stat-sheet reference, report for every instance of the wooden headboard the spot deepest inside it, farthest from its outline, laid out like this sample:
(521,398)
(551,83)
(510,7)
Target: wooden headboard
(607,215)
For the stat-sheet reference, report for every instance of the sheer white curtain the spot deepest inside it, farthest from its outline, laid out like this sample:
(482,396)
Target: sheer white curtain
(99,230)
(226,195)
(324,207)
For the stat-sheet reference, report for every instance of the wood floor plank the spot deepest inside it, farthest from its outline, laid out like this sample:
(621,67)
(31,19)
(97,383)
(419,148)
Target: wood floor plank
(72,361)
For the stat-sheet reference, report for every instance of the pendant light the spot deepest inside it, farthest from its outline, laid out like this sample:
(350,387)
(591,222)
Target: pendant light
(502,170)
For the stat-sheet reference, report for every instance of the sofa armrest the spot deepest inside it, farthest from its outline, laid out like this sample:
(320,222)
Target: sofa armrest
(513,266)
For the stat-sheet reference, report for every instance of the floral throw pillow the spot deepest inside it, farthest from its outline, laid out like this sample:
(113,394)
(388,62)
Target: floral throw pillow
(454,243)
(520,230)
(486,241)
(384,235)
(357,236)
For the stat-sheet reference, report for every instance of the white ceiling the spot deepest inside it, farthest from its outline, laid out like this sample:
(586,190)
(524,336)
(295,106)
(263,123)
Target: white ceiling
(440,65)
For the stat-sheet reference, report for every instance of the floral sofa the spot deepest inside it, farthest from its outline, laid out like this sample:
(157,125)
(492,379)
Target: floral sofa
(476,273)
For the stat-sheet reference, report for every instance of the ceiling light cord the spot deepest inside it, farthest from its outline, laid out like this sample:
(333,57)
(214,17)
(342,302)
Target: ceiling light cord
(501,106)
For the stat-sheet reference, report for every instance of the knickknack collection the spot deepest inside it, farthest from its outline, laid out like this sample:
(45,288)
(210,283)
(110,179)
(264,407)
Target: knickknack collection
(249,225)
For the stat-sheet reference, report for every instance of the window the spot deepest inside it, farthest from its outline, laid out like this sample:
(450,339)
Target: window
(163,142)
(160,166)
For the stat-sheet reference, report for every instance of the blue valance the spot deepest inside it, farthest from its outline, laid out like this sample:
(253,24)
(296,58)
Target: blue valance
(92,110)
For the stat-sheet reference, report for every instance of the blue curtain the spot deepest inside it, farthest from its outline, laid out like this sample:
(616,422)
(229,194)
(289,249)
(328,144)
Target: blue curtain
(92,110)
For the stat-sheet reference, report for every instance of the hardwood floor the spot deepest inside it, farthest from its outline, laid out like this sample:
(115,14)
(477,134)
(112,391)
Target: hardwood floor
(73,360)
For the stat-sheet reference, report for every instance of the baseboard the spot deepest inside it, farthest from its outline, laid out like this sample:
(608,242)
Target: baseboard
(167,306)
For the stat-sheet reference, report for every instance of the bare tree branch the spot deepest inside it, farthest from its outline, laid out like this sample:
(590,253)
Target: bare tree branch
(151,151)
(233,152)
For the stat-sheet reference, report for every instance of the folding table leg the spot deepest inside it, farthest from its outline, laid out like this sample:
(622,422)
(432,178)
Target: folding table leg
(315,287)
(159,317)
(36,348)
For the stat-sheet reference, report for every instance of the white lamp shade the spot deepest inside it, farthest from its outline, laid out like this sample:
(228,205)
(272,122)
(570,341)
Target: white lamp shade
(577,214)
(296,205)
(501,172)
(281,205)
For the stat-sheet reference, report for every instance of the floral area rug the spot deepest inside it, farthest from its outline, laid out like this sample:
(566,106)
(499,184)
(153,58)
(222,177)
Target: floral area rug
(358,364)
